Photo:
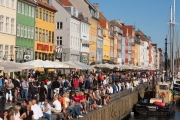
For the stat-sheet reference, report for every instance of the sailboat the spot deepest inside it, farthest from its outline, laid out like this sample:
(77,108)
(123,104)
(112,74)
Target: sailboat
(163,102)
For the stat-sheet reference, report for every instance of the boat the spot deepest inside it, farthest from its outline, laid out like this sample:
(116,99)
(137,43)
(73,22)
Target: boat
(162,104)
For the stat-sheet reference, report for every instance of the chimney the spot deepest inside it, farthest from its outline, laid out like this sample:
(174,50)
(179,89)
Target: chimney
(119,21)
(96,5)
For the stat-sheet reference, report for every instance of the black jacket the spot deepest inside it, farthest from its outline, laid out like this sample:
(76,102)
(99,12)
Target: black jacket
(55,84)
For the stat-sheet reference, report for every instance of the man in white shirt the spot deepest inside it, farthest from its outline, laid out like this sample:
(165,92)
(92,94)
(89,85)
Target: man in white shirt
(36,110)
(110,89)
(57,106)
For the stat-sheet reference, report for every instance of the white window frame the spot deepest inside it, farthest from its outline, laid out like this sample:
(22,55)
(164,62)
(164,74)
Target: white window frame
(29,11)
(25,31)
(47,15)
(6,51)
(43,33)
(32,12)
(18,30)
(22,30)
(1,23)
(7,3)
(47,36)
(29,31)
(36,34)
(1,51)
(59,25)
(12,4)
(52,16)
(7,24)
(12,25)
(2,2)
(19,7)
(32,33)
(22,8)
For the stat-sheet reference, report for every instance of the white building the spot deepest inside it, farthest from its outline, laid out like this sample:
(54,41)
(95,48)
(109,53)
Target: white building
(84,36)
(69,32)
(7,29)
(144,58)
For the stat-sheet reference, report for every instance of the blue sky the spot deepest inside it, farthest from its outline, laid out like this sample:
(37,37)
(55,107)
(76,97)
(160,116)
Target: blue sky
(150,16)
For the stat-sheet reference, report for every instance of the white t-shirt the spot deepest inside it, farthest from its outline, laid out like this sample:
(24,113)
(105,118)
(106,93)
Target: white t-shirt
(57,105)
(1,119)
(37,111)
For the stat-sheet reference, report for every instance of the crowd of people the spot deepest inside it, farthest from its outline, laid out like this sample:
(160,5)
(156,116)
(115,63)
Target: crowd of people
(69,95)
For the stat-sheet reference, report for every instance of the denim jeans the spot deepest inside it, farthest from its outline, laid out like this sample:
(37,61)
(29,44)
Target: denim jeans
(77,110)
(71,111)
(24,93)
(47,116)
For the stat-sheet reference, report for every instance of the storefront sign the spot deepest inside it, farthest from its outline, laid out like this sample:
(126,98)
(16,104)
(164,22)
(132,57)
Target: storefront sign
(44,47)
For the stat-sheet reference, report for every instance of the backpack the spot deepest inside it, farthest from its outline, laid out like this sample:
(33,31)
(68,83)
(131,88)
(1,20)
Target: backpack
(66,84)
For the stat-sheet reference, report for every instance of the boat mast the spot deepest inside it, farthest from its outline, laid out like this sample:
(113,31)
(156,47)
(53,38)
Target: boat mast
(177,54)
(171,43)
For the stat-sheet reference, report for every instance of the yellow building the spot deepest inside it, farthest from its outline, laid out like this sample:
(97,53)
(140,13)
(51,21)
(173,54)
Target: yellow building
(45,31)
(137,54)
(93,40)
(106,41)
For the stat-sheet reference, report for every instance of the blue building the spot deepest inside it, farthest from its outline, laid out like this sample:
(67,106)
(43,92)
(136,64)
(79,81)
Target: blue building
(99,45)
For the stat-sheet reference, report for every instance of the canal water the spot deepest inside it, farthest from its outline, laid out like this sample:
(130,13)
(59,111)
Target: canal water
(175,116)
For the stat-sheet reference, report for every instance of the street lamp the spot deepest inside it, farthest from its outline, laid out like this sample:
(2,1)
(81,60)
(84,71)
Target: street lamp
(64,55)
(16,50)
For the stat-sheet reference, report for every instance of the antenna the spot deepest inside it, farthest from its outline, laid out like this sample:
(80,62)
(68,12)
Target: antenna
(174,11)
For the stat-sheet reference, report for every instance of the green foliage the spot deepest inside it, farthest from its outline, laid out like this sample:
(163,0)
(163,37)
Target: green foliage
(173,92)
(22,76)
(42,77)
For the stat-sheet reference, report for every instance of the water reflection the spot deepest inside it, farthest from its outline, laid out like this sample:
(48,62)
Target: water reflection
(175,116)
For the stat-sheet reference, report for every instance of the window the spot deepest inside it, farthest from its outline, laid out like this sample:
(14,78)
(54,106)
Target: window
(18,29)
(40,34)
(1,23)
(12,4)
(11,49)
(47,37)
(1,2)
(7,3)
(29,30)
(49,16)
(52,37)
(59,25)
(6,51)
(1,51)
(52,18)
(25,31)
(29,10)
(36,35)
(32,12)
(36,12)
(19,7)
(12,25)
(59,41)
(46,15)
(43,35)
(7,24)
(22,8)
(26,9)
(40,13)
(32,33)
(22,30)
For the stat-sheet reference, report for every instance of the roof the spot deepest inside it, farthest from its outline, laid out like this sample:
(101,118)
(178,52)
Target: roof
(83,19)
(130,29)
(66,2)
(31,1)
(46,5)
(87,1)
(102,20)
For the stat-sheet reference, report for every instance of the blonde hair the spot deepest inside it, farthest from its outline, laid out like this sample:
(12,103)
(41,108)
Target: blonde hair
(16,109)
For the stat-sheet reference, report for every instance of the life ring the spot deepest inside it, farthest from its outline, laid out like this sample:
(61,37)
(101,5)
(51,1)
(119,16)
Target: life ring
(162,94)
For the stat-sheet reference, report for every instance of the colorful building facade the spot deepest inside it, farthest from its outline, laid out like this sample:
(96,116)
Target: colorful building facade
(106,41)
(45,30)
(25,30)
(8,30)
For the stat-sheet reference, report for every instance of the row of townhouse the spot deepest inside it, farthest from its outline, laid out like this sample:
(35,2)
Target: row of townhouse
(71,30)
